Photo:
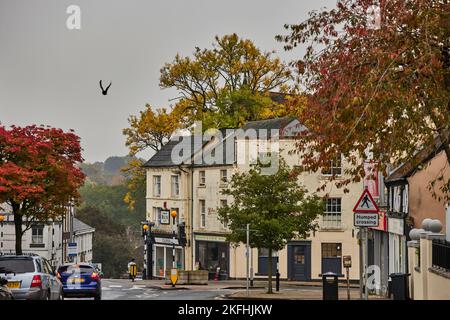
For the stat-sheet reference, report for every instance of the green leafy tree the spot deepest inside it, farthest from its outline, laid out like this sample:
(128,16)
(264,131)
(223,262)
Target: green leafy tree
(382,86)
(208,81)
(276,206)
(111,245)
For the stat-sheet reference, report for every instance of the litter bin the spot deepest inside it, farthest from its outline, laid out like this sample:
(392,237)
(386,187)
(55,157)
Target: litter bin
(398,286)
(330,285)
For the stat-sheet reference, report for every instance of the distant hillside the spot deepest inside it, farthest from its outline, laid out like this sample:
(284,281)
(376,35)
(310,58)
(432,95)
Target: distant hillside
(106,173)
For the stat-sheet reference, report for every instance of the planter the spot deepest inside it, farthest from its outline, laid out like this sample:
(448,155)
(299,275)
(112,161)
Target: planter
(197,277)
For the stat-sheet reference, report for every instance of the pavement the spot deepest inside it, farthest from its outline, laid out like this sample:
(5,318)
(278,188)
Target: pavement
(124,289)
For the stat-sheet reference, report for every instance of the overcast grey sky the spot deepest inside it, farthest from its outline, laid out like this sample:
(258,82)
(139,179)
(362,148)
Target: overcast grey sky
(49,74)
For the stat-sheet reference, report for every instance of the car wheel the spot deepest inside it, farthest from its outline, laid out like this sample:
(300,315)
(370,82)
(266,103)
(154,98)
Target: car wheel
(98,297)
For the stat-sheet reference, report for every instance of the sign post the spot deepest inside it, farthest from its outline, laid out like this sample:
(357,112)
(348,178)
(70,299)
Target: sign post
(347,261)
(366,215)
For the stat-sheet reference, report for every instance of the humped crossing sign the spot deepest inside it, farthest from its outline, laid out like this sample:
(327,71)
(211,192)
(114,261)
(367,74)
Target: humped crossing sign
(366,211)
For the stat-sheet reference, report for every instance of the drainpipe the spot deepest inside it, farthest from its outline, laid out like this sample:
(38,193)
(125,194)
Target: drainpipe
(192,216)
(190,171)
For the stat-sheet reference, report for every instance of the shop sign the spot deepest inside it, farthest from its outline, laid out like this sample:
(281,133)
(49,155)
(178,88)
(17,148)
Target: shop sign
(396,226)
(165,217)
(382,225)
(170,241)
(210,238)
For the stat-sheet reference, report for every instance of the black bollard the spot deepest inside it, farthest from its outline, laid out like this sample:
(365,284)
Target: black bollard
(277,281)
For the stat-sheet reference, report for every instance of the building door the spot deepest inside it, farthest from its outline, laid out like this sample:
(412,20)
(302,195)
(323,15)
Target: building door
(332,257)
(263,261)
(299,261)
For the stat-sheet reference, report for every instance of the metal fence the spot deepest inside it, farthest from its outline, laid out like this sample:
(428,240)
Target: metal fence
(441,254)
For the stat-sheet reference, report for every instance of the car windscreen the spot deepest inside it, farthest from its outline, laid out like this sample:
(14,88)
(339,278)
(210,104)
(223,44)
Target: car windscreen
(16,265)
(75,269)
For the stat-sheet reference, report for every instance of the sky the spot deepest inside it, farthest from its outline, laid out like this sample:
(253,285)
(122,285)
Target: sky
(49,74)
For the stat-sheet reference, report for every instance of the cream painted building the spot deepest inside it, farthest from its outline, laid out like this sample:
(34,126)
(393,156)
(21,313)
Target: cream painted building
(193,186)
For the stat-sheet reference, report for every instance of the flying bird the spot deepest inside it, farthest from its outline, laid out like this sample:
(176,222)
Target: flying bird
(104,91)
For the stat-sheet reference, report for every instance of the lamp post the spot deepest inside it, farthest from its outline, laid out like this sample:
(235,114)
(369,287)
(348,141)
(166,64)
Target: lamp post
(173,273)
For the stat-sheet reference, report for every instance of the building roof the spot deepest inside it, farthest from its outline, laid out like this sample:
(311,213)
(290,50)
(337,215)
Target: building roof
(80,226)
(189,145)
(191,149)
(407,169)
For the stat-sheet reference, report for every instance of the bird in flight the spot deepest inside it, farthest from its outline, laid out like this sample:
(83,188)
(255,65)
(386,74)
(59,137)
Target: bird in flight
(104,91)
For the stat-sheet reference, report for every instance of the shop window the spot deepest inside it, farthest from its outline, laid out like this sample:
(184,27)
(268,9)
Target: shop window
(211,255)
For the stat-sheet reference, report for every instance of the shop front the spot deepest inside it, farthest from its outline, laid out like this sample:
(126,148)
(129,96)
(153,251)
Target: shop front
(163,255)
(212,253)
(397,245)
(379,252)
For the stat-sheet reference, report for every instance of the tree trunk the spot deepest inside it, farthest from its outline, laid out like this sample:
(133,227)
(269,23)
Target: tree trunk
(18,227)
(269,274)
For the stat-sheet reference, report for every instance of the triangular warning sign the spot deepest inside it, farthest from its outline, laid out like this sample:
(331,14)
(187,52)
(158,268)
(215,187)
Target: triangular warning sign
(366,204)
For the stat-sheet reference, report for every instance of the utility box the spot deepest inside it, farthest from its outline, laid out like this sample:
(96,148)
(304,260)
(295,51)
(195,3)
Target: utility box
(330,285)
(398,286)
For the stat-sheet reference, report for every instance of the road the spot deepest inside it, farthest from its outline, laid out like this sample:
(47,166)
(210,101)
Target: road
(118,289)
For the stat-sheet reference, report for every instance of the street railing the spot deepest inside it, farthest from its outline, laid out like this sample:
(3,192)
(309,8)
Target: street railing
(441,254)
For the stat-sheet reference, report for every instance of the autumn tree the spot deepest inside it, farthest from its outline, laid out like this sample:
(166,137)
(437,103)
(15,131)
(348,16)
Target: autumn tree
(39,176)
(276,206)
(208,82)
(377,83)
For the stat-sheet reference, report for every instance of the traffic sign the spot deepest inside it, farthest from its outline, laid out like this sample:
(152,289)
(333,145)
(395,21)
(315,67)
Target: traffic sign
(366,219)
(72,249)
(366,204)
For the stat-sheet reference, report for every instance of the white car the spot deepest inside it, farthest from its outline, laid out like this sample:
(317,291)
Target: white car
(30,277)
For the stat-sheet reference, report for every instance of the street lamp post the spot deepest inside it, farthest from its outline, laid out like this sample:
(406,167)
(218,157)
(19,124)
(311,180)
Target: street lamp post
(174,215)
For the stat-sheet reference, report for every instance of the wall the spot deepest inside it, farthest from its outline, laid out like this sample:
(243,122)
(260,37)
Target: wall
(49,250)
(421,202)
(426,282)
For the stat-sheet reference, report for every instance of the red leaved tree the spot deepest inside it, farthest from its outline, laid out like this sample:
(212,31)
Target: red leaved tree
(378,75)
(38,174)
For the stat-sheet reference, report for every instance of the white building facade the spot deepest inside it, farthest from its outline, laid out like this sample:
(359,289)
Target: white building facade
(199,186)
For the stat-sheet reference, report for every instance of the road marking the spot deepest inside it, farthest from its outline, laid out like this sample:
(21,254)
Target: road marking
(115,286)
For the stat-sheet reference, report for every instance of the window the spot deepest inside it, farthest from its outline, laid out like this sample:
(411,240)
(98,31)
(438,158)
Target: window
(175,186)
(223,176)
(202,178)
(332,215)
(37,235)
(157,186)
(335,168)
(202,214)
(223,203)
(157,216)
(331,250)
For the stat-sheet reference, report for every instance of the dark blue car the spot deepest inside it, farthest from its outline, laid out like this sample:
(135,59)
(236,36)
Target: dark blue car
(80,280)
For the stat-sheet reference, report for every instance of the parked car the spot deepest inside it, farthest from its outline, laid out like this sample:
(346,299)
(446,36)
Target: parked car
(5,292)
(80,280)
(30,277)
